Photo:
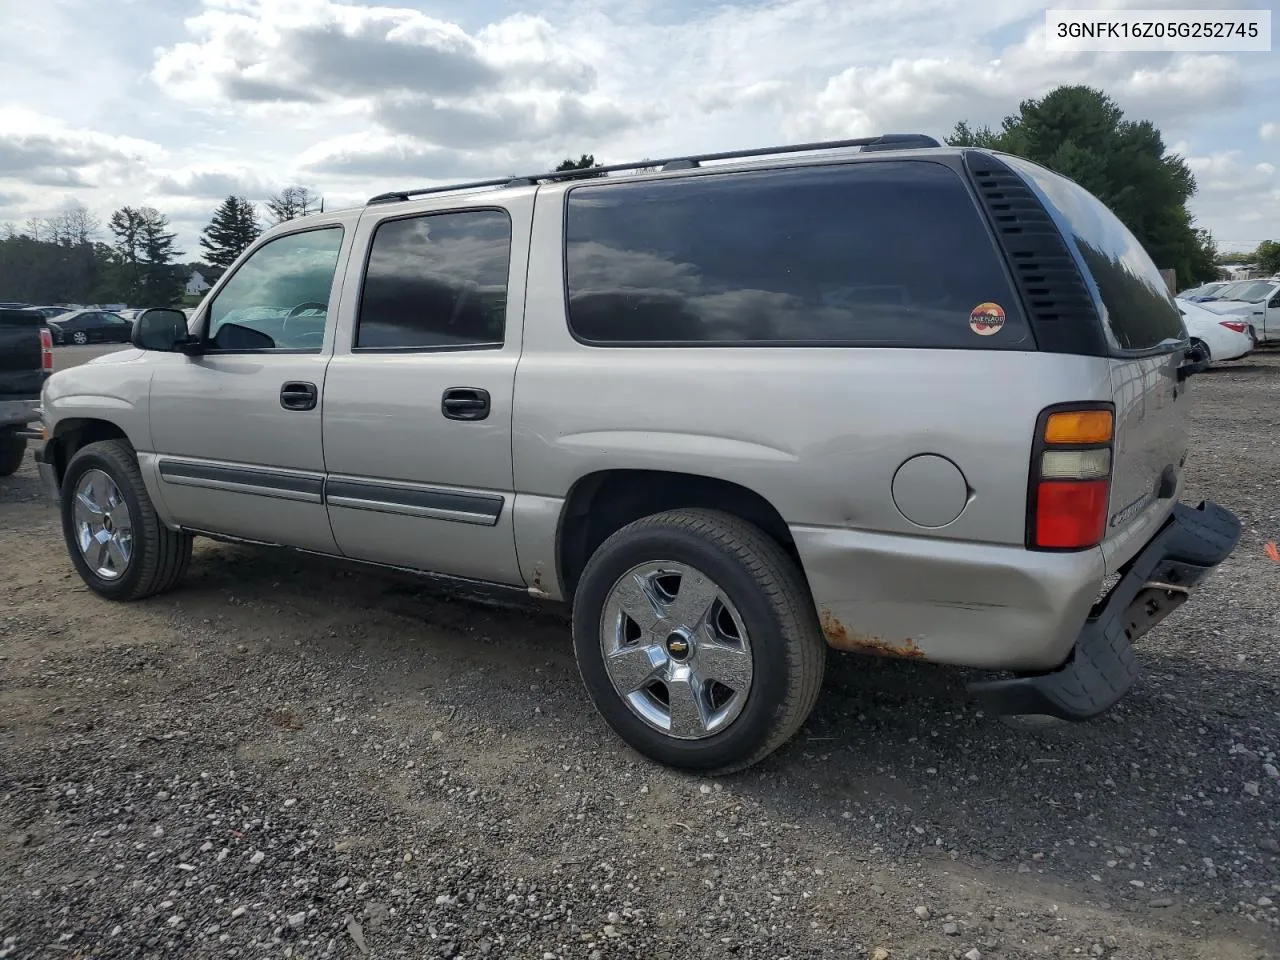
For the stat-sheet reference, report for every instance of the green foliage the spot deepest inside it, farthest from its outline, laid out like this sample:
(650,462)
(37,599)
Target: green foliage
(144,256)
(1267,257)
(1081,133)
(57,260)
(585,162)
(233,228)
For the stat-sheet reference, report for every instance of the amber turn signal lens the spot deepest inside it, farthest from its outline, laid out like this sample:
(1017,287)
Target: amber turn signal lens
(1079,426)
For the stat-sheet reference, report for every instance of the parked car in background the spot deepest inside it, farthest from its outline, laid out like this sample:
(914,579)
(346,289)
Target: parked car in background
(90,326)
(1255,302)
(1225,338)
(50,312)
(1203,292)
(26,359)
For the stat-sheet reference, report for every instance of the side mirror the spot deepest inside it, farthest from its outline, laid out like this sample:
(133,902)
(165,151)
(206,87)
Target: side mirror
(160,329)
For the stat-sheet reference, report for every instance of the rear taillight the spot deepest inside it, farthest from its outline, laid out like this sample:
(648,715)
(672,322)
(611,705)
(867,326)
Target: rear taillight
(1236,325)
(46,350)
(1071,477)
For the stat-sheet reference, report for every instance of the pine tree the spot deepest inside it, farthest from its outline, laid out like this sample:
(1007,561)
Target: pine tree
(162,276)
(233,228)
(144,256)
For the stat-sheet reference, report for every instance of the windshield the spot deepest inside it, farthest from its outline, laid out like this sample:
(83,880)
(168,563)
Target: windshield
(1250,291)
(1202,291)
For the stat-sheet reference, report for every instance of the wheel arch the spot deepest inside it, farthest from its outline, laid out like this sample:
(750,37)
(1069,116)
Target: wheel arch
(73,433)
(600,503)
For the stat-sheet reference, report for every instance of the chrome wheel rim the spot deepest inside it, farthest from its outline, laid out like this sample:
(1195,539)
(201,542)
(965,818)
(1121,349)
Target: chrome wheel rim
(104,529)
(676,650)
(80,337)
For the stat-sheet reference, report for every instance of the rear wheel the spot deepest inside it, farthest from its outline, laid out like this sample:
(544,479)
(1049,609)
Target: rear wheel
(697,640)
(12,450)
(117,543)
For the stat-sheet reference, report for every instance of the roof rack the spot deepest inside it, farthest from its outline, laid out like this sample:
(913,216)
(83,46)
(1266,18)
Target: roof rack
(887,141)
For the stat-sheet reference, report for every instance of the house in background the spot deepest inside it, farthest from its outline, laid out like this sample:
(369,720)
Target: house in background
(196,284)
(1241,271)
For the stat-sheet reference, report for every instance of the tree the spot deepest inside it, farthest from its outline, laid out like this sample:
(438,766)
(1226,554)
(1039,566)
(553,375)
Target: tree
(126,226)
(1081,133)
(1267,257)
(293,202)
(586,162)
(233,228)
(144,255)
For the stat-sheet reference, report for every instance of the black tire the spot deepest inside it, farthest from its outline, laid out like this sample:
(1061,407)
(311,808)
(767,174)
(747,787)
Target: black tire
(787,645)
(160,556)
(1208,354)
(12,450)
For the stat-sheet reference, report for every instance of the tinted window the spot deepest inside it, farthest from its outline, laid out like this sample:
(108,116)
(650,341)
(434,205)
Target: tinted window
(1140,312)
(437,281)
(279,298)
(890,253)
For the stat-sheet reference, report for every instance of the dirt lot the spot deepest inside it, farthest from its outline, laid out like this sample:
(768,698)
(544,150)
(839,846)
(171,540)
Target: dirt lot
(290,759)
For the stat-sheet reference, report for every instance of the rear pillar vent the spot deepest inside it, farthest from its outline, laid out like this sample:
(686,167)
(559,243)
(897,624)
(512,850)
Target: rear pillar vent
(1056,298)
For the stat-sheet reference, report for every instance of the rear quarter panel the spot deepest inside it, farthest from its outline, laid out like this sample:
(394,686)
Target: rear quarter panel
(818,432)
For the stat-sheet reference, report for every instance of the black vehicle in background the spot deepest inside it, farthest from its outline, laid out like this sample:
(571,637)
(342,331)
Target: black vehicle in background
(90,326)
(26,359)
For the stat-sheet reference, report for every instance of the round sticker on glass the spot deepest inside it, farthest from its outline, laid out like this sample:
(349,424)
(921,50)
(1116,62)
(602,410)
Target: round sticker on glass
(986,319)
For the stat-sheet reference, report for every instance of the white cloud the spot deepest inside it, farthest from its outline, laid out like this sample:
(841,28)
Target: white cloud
(354,98)
(213,182)
(42,151)
(933,93)
(411,73)
(1240,199)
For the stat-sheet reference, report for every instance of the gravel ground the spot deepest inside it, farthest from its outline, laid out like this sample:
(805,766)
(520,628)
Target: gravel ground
(287,758)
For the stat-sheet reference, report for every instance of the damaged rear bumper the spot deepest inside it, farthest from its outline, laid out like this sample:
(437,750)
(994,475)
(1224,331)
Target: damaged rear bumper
(1102,666)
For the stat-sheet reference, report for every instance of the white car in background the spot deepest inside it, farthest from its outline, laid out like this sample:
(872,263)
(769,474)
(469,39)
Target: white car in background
(1227,338)
(1256,302)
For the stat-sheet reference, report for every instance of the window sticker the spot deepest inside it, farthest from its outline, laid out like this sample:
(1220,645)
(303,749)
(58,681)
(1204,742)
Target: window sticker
(986,319)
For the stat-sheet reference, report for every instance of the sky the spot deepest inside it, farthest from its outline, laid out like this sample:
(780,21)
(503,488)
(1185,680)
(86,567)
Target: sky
(178,103)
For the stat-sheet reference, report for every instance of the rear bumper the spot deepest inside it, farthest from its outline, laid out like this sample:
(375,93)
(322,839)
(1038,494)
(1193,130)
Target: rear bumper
(1102,666)
(987,606)
(18,413)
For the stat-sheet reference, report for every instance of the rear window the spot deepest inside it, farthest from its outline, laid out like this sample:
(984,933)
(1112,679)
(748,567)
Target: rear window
(1140,311)
(871,253)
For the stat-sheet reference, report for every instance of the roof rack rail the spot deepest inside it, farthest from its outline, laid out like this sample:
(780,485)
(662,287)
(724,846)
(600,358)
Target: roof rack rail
(887,141)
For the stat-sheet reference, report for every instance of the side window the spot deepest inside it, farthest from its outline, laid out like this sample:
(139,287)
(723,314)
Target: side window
(279,298)
(869,253)
(1140,311)
(436,281)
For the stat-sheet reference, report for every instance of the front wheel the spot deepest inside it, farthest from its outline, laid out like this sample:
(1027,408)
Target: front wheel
(697,640)
(117,543)
(80,337)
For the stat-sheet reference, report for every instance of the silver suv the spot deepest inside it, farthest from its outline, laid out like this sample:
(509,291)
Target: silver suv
(878,395)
